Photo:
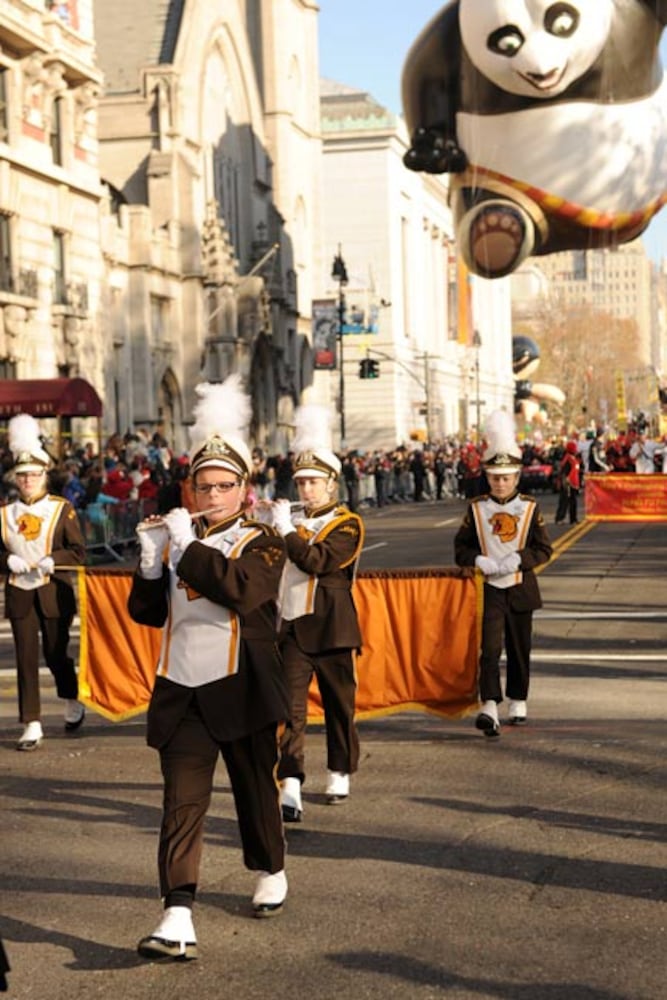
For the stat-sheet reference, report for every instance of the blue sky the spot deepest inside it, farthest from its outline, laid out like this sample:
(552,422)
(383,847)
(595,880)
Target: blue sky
(363,43)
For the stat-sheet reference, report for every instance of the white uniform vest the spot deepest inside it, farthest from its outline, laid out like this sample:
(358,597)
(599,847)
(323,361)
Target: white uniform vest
(298,589)
(502,528)
(201,641)
(27,531)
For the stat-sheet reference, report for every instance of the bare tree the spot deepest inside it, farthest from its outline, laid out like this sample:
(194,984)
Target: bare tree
(588,354)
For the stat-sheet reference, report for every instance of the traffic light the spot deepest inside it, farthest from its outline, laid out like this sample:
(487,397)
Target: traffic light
(369,368)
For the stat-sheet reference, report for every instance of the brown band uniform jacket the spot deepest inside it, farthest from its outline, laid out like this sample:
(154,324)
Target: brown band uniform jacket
(334,623)
(254,697)
(55,598)
(524,596)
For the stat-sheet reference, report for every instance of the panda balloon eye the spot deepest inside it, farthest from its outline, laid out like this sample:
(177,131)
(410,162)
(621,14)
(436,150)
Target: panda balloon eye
(561,20)
(505,41)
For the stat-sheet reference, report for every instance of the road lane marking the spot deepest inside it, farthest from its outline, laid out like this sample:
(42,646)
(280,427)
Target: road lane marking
(574,657)
(376,545)
(575,615)
(566,541)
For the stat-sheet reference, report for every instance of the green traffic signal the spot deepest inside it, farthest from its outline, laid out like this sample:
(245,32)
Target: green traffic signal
(369,368)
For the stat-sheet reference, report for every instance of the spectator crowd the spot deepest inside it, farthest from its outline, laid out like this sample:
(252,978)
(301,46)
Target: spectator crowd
(139,474)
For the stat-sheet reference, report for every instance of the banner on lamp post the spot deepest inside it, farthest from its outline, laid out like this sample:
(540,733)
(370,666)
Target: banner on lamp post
(324,333)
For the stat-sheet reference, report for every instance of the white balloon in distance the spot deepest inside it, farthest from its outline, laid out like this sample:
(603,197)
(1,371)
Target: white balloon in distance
(548,393)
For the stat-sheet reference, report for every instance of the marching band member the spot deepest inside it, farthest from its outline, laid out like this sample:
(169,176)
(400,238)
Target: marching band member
(319,627)
(219,687)
(504,536)
(39,532)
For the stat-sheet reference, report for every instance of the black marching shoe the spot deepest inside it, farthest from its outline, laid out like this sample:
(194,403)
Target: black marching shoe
(487,720)
(270,894)
(290,800)
(517,713)
(174,937)
(75,713)
(31,736)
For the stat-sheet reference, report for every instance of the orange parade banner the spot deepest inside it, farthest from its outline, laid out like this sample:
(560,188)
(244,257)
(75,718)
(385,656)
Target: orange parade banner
(421,642)
(626,497)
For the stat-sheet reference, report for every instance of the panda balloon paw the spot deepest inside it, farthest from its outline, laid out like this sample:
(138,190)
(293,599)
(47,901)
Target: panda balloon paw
(432,154)
(495,237)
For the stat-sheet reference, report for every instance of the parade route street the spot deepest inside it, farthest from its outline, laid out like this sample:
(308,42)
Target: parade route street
(528,868)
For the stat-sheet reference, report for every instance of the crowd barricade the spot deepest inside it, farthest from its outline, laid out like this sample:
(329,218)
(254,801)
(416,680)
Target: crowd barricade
(110,528)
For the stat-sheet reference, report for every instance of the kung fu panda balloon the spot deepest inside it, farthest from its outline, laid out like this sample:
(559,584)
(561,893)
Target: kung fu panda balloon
(551,118)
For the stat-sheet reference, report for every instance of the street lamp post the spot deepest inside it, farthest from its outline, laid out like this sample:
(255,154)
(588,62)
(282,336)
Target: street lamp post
(339,274)
(477,343)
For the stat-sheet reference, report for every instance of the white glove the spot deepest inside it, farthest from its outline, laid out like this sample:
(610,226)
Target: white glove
(282,517)
(17,564)
(46,565)
(488,566)
(153,542)
(510,563)
(179,525)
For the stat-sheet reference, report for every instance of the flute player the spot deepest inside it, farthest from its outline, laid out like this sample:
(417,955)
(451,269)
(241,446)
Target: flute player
(211,586)
(319,631)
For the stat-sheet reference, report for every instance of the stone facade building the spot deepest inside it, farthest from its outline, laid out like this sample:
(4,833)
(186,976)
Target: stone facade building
(205,113)
(50,193)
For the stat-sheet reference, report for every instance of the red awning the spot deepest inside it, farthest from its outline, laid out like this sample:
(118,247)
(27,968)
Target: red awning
(49,397)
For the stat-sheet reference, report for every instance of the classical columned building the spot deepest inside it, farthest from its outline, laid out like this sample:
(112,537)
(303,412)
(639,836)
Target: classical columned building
(441,338)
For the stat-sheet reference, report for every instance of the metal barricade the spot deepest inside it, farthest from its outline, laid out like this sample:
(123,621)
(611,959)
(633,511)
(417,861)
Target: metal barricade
(110,528)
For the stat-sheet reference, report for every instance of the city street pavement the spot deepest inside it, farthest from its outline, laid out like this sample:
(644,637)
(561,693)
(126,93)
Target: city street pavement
(527,868)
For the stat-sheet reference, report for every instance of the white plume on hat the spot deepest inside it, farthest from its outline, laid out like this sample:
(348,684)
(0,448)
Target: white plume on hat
(312,443)
(222,415)
(502,453)
(25,444)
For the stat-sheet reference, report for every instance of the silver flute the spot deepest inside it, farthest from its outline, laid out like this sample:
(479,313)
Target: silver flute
(158,522)
(296,506)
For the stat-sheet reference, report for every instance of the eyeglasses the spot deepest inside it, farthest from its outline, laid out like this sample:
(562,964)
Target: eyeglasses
(220,487)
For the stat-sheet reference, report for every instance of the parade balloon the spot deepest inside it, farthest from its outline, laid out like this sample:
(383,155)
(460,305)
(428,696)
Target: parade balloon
(548,393)
(529,395)
(525,356)
(551,118)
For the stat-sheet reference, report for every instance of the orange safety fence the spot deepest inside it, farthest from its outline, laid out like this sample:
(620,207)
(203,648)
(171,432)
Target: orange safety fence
(421,635)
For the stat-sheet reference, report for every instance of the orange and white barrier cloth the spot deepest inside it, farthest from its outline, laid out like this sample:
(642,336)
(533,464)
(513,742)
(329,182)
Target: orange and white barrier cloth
(421,634)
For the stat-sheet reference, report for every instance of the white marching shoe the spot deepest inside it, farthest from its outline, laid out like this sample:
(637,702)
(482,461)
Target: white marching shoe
(270,893)
(174,937)
(518,712)
(74,714)
(487,719)
(31,736)
(290,800)
(338,786)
